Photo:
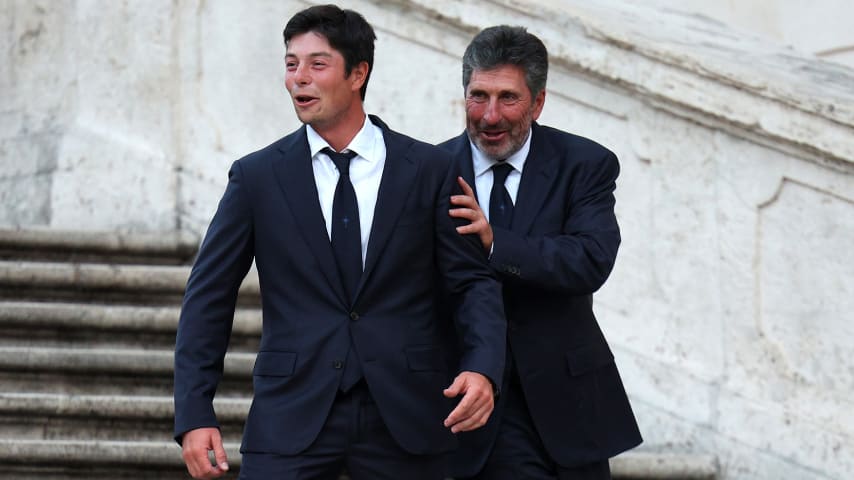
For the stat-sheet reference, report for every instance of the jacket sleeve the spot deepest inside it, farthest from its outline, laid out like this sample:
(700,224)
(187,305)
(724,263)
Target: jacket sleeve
(578,259)
(474,291)
(207,312)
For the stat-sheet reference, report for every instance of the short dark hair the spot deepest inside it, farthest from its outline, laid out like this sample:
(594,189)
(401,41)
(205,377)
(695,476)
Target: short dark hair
(346,31)
(506,45)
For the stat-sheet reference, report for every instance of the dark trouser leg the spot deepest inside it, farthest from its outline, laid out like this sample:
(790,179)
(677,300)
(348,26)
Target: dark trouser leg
(519,454)
(354,436)
(375,455)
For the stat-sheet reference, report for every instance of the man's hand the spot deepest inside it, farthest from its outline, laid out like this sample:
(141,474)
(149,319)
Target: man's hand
(196,445)
(468,208)
(476,405)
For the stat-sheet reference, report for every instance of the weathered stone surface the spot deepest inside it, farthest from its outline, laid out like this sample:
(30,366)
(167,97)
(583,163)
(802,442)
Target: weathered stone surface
(168,248)
(110,318)
(116,361)
(164,454)
(681,467)
(110,406)
(91,276)
(153,454)
(811,27)
(97,97)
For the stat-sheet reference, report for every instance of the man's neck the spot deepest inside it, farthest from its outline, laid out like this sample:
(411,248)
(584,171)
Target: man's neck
(341,132)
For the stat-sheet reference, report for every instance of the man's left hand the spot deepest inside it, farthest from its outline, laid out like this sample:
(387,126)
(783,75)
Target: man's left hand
(476,405)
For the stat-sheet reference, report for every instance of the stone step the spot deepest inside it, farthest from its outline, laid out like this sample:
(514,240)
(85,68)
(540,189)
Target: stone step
(167,248)
(98,360)
(110,406)
(97,325)
(67,459)
(121,318)
(231,413)
(664,466)
(164,460)
(100,283)
(52,416)
(107,371)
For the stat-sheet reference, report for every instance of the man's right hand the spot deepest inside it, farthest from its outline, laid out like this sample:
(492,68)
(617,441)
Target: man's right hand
(476,405)
(465,206)
(196,445)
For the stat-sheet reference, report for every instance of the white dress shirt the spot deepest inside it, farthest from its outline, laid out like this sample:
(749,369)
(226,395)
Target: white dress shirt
(366,170)
(483,175)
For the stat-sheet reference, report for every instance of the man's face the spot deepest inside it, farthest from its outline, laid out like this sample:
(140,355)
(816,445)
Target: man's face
(320,88)
(500,110)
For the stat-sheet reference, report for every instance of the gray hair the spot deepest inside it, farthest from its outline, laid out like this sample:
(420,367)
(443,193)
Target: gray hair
(506,45)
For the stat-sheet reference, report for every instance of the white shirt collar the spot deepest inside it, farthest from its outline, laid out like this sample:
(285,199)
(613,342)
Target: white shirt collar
(363,143)
(482,163)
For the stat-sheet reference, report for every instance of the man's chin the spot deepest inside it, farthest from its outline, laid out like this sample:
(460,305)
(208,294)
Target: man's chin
(495,152)
(304,117)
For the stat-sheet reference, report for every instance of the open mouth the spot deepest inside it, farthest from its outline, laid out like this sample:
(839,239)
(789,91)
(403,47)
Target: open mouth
(492,135)
(303,100)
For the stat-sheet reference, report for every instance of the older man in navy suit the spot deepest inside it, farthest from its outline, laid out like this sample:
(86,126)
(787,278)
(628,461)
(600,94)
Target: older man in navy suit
(542,203)
(347,223)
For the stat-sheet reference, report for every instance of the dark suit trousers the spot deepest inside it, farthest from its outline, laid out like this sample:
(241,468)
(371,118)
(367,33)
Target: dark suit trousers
(355,440)
(518,452)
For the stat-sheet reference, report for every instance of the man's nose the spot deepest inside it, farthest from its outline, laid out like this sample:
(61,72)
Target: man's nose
(301,75)
(491,114)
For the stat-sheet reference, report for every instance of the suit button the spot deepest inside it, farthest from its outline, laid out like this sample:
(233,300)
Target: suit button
(337,364)
(354,316)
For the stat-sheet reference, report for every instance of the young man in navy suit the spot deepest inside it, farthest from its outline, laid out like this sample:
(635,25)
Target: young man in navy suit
(542,203)
(347,223)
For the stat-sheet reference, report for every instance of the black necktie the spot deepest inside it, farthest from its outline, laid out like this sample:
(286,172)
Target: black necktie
(347,246)
(500,203)
(346,231)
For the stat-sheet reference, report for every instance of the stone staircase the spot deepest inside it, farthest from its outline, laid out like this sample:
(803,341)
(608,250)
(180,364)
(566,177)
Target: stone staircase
(87,330)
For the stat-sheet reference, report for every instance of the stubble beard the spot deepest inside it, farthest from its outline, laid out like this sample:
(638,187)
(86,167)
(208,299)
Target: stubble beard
(517,135)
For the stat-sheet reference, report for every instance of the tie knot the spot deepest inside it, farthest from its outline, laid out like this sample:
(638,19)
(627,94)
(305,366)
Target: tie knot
(500,172)
(341,160)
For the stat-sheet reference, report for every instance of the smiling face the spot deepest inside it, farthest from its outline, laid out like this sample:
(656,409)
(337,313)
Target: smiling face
(500,110)
(325,96)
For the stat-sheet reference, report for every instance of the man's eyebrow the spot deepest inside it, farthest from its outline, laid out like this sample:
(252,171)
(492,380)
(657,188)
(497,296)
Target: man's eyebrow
(315,54)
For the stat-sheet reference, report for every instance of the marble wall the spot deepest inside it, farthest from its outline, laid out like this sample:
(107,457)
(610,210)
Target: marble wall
(820,27)
(730,306)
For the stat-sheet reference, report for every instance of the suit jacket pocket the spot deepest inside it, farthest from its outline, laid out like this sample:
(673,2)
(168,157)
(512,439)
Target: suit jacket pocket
(587,358)
(426,358)
(275,364)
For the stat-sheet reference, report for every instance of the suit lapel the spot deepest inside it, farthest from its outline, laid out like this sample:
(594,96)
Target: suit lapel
(296,179)
(398,176)
(537,176)
(462,154)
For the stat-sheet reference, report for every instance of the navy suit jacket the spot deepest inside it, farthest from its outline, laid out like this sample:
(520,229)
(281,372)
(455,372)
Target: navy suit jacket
(559,249)
(270,212)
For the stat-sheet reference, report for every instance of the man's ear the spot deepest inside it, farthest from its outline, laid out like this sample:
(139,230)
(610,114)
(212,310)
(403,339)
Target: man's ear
(539,102)
(358,75)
